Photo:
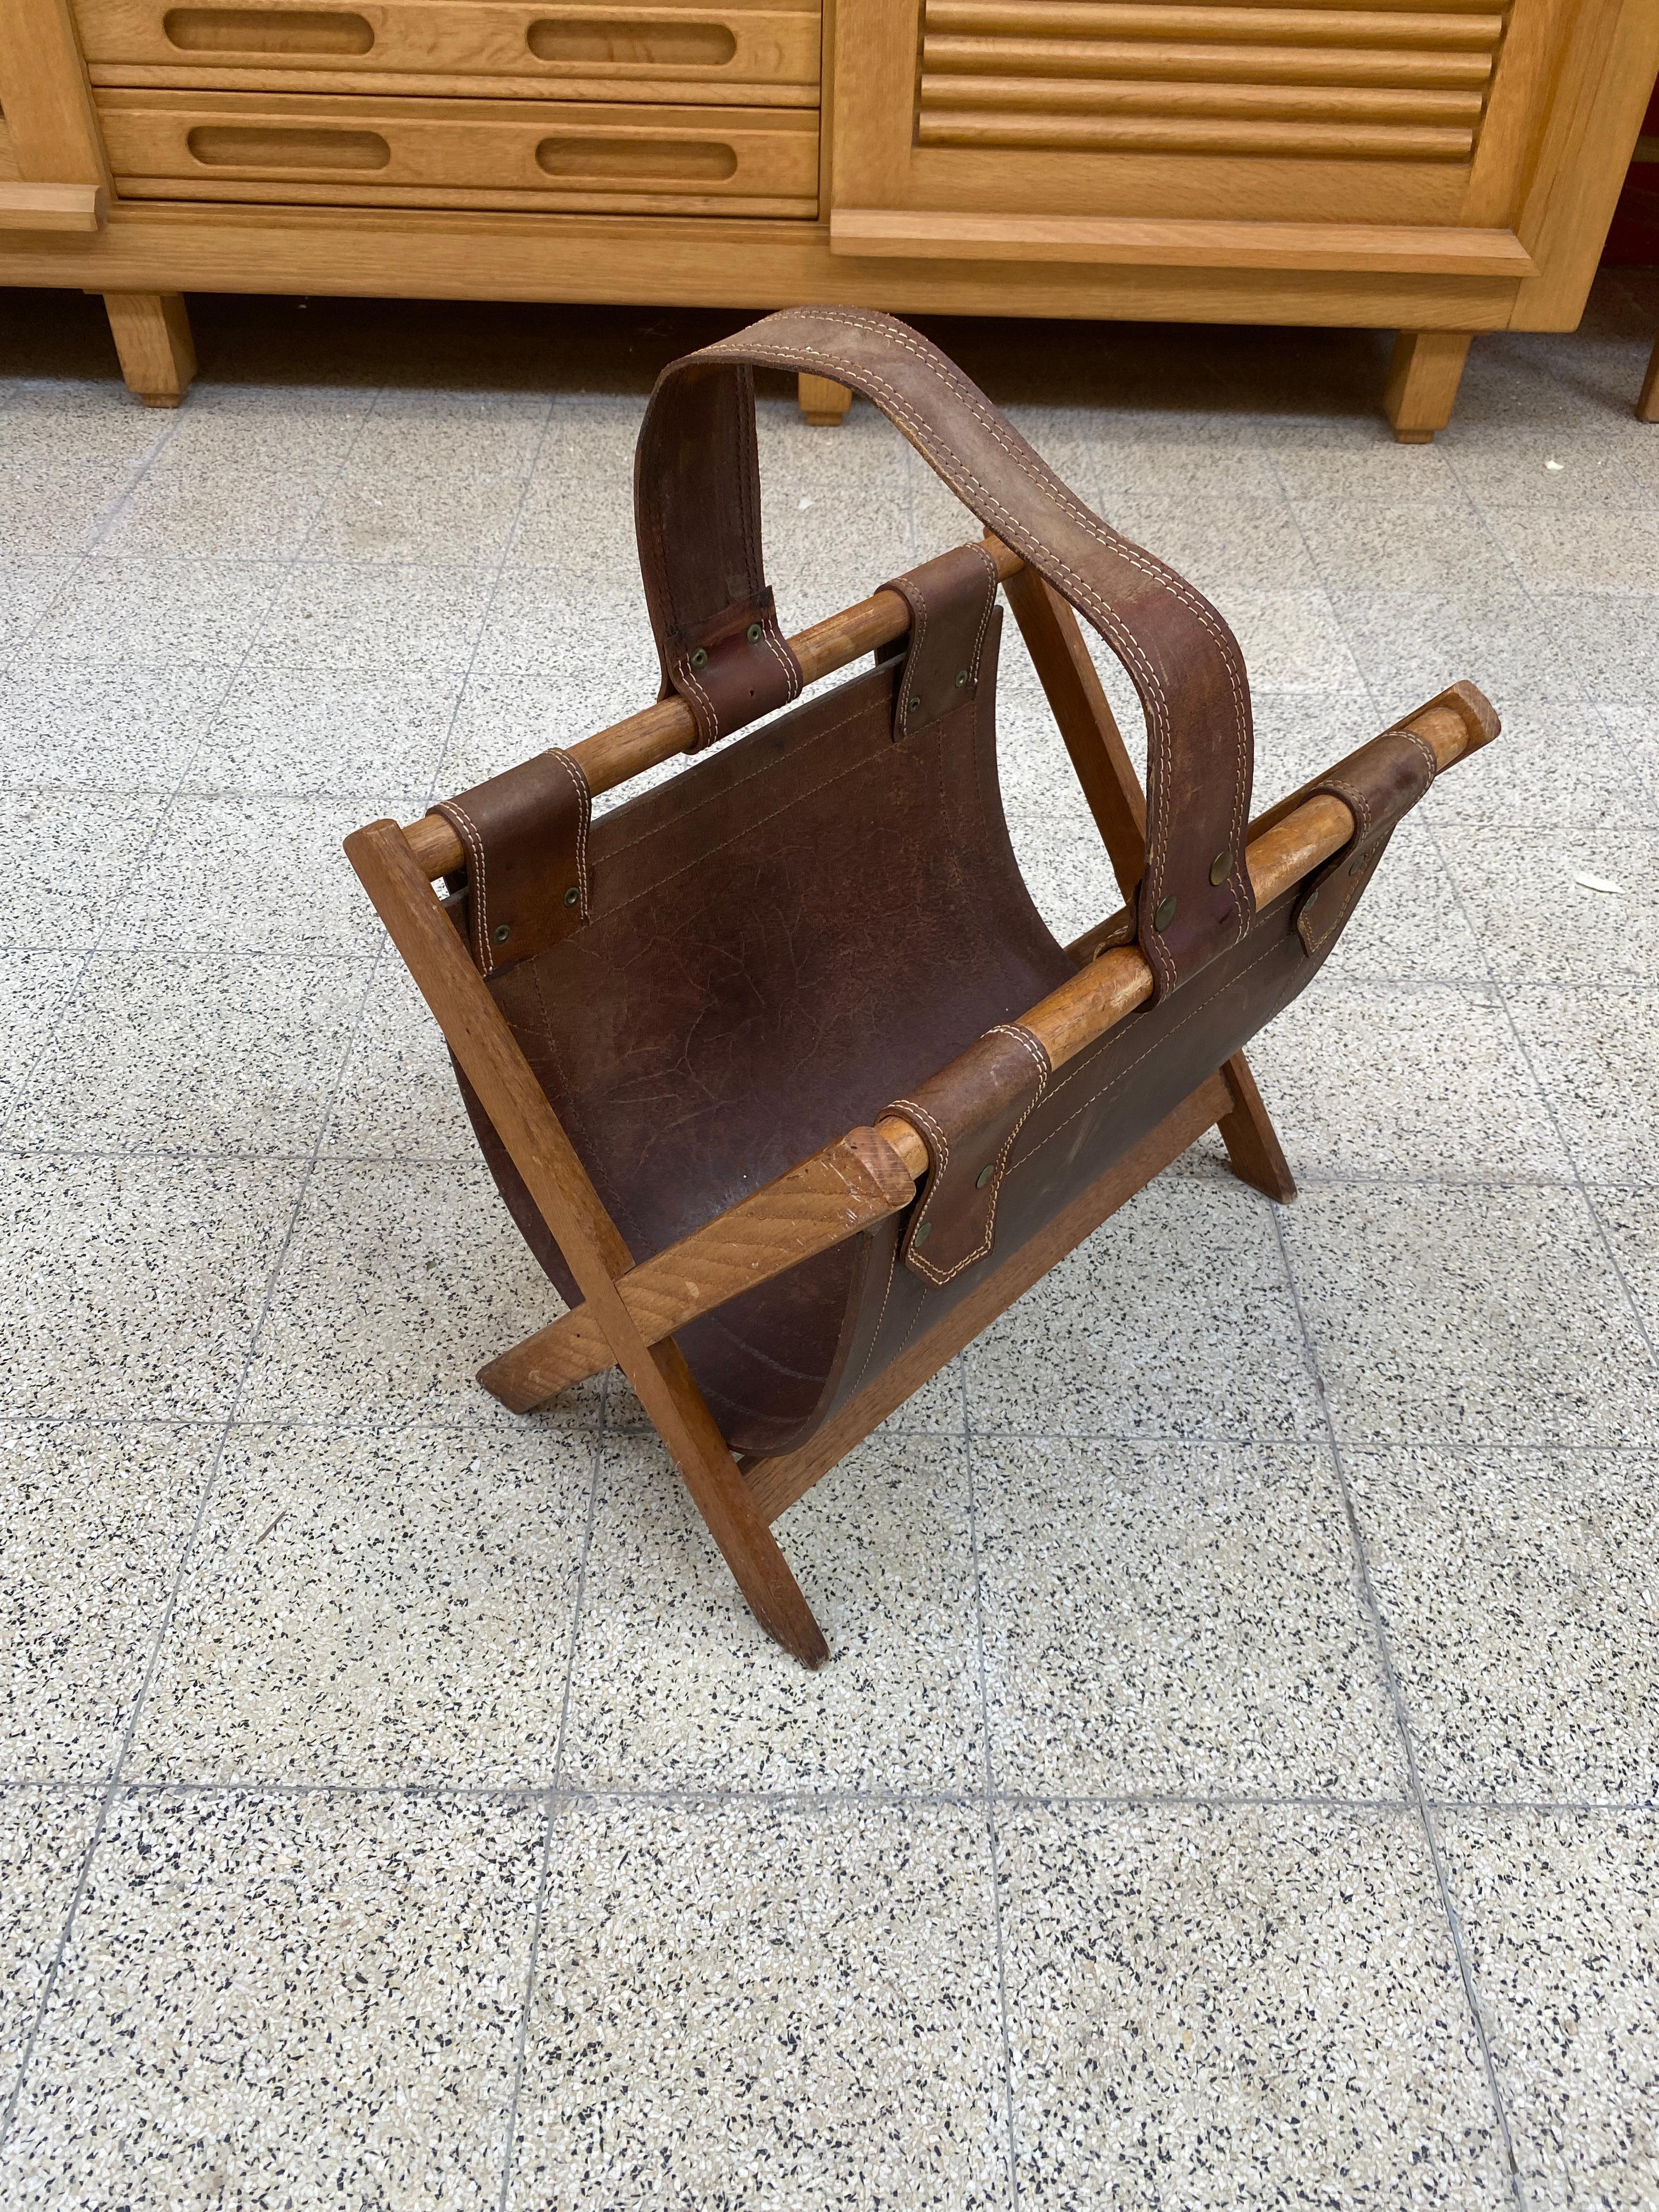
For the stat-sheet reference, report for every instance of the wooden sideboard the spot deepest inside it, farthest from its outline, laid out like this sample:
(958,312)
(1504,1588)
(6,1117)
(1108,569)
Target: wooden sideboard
(1434,167)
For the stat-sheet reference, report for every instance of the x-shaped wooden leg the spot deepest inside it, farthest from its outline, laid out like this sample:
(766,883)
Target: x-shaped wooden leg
(1118,804)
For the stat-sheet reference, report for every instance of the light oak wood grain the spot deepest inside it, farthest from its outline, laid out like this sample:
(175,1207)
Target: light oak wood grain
(53,207)
(484,1046)
(446,46)
(152,336)
(529,153)
(862,1178)
(965,236)
(1424,376)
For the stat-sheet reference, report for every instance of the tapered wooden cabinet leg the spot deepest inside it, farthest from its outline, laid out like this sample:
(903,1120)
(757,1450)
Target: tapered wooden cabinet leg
(1252,1142)
(821,400)
(1647,407)
(1423,380)
(151,332)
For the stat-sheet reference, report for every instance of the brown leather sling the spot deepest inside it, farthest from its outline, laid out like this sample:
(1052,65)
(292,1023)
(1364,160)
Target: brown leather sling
(825,919)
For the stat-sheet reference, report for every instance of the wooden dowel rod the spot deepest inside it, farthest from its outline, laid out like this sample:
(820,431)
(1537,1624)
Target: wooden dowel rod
(626,748)
(1109,988)
(849,1185)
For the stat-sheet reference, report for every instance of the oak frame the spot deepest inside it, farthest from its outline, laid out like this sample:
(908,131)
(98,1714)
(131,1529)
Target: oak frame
(630,1312)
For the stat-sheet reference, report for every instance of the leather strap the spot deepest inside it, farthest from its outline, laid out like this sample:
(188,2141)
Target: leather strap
(968,1115)
(697,509)
(950,600)
(1379,785)
(711,610)
(525,838)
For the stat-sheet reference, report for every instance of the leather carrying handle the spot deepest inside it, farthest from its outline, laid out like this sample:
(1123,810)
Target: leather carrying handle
(697,509)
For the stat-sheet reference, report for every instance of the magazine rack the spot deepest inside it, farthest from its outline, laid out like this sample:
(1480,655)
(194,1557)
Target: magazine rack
(776,1066)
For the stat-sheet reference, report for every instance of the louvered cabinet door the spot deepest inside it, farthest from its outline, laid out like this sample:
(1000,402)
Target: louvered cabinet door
(1393,136)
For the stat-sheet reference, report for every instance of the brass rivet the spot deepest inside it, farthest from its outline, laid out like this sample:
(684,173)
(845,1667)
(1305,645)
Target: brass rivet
(924,1230)
(1222,866)
(984,1176)
(1165,914)
(914,707)
(962,677)
(1355,863)
(501,932)
(573,895)
(1312,899)
(754,633)
(700,658)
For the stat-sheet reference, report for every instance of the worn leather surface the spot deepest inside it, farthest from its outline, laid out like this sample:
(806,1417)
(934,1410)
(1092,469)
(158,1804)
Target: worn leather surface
(696,504)
(816,919)
(968,1115)
(950,600)
(807,924)
(525,836)
(1379,785)
(717,633)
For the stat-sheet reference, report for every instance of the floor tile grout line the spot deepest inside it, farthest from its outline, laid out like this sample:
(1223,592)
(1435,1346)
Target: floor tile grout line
(1502,987)
(993,1841)
(496,576)
(1150,1442)
(168,801)
(79,560)
(1576,1177)
(15,1106)
(186,1553)
(110,1789)
(551,1798)
(805,1800)
(1419,1798)
(549,1802)
(231,1426)
(115,1784)
(1577,1181)
(1207,1174)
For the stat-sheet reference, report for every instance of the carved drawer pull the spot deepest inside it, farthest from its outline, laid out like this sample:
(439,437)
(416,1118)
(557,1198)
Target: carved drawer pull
(596,40)
(580,161)
(267,31)
(254,146)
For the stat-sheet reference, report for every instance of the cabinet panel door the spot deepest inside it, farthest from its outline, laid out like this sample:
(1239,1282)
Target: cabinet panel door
(1226,112)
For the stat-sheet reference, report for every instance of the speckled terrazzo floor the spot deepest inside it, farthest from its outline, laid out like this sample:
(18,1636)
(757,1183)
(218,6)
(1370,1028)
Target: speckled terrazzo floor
(1235,1782)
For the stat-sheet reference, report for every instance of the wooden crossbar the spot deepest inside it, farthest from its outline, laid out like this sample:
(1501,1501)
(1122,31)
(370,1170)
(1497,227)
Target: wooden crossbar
(614,757)
(630,1313)
(869,1173)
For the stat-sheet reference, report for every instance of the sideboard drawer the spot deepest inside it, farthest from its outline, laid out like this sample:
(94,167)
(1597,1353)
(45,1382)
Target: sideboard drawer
(291,148)
(671,50)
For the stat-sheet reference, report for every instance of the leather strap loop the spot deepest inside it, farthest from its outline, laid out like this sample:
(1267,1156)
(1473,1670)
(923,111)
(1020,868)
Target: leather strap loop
(950,601)
(968,1115)
(697,509)
(525,835)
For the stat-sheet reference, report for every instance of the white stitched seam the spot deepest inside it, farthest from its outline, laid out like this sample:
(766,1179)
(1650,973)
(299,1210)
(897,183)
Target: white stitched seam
(1094,1098)
(875,1339)
(689,675)
(1033,1049)
(766,767)
(584,808)
(1122,642)
(462,820)
(1427,751)
(984,613)
(785,659)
